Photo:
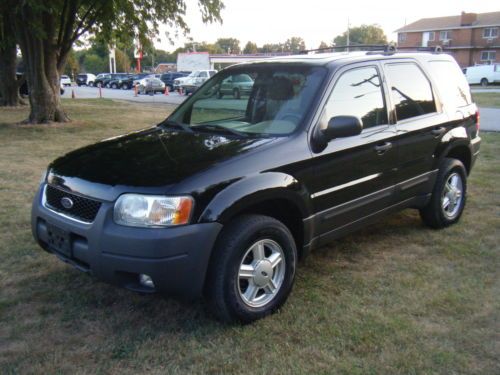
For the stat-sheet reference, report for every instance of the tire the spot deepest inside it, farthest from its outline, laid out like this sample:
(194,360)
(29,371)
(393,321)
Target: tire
(229,295)
(484,82)
(114,86)
(236,93)
(125,86)
(99,84)
(446,206)
(91,84)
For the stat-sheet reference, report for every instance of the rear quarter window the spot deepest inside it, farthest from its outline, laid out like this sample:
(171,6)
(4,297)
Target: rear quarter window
(451,83)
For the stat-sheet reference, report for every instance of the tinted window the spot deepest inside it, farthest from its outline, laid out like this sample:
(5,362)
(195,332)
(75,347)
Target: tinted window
(358,92)
(451,83)
(410,90)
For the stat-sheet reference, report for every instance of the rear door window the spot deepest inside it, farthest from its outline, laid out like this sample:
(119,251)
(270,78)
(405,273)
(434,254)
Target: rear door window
(410,89)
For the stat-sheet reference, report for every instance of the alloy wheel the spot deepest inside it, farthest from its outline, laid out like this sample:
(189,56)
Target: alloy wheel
(451,199)
(261,273)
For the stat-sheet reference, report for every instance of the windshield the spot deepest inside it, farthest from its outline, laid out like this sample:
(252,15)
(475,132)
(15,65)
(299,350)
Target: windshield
(260,100)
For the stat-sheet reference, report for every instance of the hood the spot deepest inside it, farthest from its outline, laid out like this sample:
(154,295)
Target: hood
(152,158)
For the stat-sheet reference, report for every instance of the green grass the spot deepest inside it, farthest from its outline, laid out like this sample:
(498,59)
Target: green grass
(395,297)
(487,99)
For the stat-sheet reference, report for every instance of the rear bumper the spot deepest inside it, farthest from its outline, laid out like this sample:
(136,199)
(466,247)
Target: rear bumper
(175,258)
(475,145)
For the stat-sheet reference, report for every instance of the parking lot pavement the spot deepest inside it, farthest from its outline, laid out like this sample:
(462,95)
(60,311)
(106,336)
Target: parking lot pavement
(84,92)
(490,119)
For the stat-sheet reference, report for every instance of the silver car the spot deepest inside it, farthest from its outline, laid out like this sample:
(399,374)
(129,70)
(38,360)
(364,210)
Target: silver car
(236,86)
(150,84)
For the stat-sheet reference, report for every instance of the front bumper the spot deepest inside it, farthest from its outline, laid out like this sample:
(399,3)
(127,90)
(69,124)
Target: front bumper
(175,258)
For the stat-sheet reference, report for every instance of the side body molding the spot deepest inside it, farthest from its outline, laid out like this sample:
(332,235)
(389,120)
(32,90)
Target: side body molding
(256,189)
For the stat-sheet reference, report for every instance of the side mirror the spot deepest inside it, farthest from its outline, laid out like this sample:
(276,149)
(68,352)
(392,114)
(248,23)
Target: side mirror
(342,126)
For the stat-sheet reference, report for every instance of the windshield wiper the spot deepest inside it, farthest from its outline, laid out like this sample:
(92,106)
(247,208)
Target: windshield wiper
(220,129)
(176,125)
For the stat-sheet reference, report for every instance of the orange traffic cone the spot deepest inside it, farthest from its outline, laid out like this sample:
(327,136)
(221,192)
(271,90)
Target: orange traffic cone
(166,90)
(73,94)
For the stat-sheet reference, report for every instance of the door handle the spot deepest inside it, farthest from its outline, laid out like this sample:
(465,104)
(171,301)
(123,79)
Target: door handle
(438,131)
(383,147)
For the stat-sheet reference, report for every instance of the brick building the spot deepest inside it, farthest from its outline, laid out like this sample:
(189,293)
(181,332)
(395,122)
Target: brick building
(472,38)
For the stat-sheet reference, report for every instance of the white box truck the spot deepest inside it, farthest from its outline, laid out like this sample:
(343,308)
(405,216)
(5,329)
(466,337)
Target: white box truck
(483,74)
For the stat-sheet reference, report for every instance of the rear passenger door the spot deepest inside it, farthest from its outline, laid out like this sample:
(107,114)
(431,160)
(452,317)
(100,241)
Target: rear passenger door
(355,175)
(420,124)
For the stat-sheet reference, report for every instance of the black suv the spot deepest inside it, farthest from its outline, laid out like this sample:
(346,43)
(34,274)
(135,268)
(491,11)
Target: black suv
(168,78)
(224,196)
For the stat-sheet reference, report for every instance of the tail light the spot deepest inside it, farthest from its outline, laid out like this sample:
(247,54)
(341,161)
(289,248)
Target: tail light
(477,120)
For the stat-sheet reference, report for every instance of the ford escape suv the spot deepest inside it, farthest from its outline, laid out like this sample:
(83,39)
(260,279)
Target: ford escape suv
(224,196)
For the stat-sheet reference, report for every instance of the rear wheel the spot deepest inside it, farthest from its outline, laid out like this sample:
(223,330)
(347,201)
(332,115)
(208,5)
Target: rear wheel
(91,84)
(484,82)
(252,269)
(448,197)
(125,86)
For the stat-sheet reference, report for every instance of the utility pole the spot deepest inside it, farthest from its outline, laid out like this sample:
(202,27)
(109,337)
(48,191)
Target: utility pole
(348,26)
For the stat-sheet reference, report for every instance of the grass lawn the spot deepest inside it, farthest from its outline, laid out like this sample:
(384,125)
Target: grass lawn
(487,99)
(395,297)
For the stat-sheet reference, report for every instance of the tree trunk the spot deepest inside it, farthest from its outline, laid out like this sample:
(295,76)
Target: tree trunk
(9,86)
(40,57)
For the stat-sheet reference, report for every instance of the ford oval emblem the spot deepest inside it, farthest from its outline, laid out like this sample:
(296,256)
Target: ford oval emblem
(66,202)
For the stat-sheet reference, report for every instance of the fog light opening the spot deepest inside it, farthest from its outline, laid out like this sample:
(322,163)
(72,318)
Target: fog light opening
(146,281)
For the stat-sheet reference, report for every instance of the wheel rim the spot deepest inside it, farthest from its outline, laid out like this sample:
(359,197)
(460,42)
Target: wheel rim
(451,200)
(261,273)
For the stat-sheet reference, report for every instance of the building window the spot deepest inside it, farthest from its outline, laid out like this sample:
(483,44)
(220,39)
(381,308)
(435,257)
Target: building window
(445,35)
(488,56)
(401,37)
(431,36)
(490,32)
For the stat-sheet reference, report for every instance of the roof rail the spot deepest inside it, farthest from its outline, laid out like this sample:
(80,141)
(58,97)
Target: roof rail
(371,49)
(353,47)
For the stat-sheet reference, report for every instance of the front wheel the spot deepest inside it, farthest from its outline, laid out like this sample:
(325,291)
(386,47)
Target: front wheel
(448,197)
(252,269)
(484,82)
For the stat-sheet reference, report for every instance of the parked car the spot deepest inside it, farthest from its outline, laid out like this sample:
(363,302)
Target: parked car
(65,80)
(224,197)
(101,79)
(236,86)
(192,82)
(150,84)
(116,81)
(168,78)
(127,82)
(85,79)
(483,74)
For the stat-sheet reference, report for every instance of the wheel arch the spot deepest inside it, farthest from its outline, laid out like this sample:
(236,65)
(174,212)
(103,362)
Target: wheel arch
(273,194)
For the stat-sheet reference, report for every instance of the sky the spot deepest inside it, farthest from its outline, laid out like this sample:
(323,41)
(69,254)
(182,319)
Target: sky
(274,21)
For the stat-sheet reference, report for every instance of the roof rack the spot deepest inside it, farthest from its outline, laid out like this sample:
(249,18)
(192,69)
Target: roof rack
(388,49)
(353,47)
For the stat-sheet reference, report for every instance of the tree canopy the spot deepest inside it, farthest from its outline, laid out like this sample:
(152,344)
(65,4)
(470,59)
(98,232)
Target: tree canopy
(364,34)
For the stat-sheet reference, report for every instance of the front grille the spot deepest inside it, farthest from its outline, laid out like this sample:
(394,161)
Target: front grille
(84,209)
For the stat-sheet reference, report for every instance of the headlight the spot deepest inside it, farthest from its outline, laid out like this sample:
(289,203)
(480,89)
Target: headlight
(137,210)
